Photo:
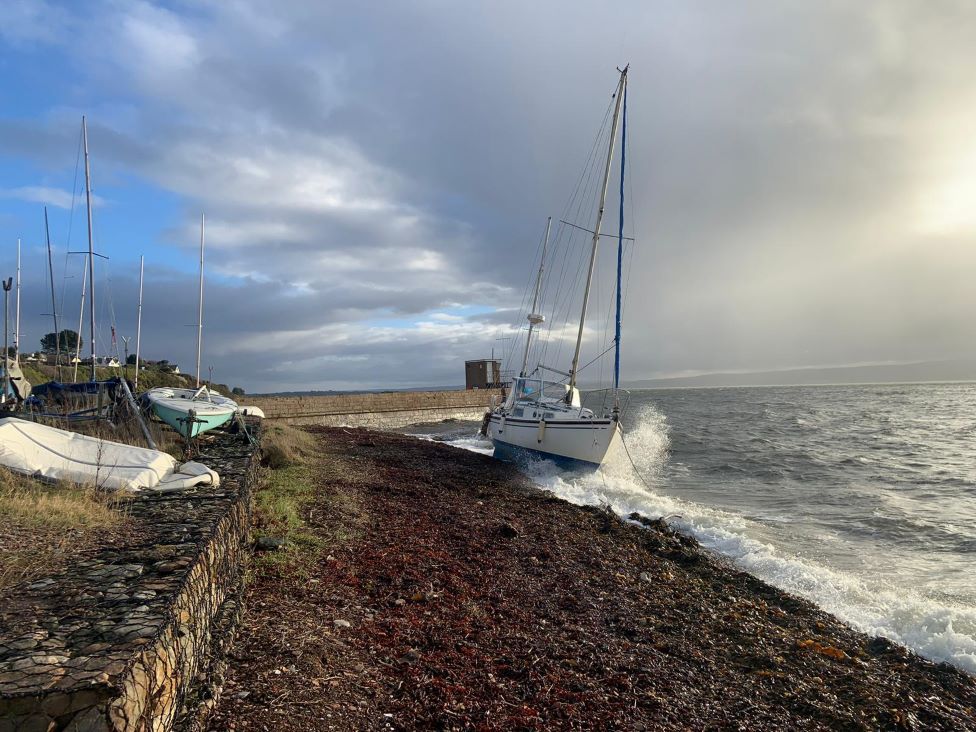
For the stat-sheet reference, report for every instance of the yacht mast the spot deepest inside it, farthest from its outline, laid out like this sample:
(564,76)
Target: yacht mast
(200,311)
(533,317)
(139,323)
(620,261)
(81,319)
(91,253)
(596,233)
(17,317)
(54,306)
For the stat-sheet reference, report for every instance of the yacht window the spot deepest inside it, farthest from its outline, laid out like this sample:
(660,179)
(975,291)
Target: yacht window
(555,391)
(548,415)
(529,390)
(519,412)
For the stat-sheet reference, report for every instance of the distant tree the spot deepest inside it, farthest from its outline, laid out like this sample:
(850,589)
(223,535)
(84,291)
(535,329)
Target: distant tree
(11,352)
(237,391)
(70,341)
(131,360)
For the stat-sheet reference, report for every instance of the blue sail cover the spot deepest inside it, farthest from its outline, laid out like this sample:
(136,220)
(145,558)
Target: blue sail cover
(53,393)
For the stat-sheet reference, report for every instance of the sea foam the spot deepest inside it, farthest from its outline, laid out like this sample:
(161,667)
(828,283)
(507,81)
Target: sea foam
(937,630)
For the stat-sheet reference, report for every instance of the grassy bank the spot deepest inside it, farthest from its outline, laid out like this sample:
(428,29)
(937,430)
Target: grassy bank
(149,378)
(289,497)
(43,525)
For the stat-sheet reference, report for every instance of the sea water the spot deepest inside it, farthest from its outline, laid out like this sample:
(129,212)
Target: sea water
(861,499)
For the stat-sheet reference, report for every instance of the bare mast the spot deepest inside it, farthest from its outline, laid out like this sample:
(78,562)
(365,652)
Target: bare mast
(139,322)
(200,311)
(596,233)
(17,317)
(533,317)
(91,254)
(81,319)
(54,306)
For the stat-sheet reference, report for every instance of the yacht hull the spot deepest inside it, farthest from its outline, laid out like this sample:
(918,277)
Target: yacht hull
(574,444)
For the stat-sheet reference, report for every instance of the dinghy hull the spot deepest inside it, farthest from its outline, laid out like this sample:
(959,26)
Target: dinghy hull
(173,406)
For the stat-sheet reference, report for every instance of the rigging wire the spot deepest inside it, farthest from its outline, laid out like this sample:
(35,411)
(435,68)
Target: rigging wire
(633,230)
(71,218)
(523,307)
(585,173)
(591,181)
(579,196)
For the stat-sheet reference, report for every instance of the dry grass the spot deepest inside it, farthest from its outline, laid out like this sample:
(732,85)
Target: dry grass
(287,457)
(283,446)
(42,524)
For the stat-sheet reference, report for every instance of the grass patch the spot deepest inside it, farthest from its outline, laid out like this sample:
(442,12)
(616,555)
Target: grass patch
(288,457)
(41,524)
(303,499)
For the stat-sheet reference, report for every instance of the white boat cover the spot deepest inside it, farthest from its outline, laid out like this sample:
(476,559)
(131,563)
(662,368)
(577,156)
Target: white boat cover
(52,454)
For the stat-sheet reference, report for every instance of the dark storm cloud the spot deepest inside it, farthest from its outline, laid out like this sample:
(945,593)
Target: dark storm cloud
(797,172)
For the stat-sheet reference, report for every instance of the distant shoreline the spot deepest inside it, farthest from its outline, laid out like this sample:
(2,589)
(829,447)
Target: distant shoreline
(634,386)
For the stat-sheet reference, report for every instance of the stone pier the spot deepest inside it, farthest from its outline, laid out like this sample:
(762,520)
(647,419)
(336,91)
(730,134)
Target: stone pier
(376,410)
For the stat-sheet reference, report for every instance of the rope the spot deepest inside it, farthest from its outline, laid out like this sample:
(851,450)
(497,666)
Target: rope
(632,463)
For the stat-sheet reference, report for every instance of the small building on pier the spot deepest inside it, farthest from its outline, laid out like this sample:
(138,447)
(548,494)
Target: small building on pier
(485,373)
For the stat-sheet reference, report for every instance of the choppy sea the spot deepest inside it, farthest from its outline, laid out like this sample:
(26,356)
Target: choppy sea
(860,498)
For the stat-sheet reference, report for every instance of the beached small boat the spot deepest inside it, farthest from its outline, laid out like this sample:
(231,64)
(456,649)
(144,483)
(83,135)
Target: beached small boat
(190,411)
(546,419)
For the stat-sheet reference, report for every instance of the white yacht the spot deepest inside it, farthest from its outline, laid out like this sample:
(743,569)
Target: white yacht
(545,418)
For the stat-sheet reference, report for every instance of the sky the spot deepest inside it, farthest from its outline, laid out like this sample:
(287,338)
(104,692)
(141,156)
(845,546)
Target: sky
(376,178)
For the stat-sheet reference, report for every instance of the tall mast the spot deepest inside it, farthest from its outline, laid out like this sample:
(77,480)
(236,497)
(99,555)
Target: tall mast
(91,253)
(200,311)
(54,307)
(596,233)
(534,317)
(81,319)
(620,260)
(17,317)
(139,321)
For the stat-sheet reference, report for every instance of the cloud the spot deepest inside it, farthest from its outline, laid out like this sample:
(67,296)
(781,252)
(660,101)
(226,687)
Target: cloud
(48,196)
(799,188)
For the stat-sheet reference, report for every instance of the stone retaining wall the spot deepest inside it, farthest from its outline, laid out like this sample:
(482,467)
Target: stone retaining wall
(384,410)
(115,642)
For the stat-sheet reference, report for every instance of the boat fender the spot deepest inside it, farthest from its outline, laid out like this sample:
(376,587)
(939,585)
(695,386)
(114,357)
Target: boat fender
(542,431)
(501,426)
(484,424)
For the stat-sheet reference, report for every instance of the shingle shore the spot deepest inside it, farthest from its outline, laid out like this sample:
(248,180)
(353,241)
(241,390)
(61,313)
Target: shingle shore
(452,593)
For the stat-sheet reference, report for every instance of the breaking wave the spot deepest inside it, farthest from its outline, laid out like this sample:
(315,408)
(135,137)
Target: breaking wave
(938,629)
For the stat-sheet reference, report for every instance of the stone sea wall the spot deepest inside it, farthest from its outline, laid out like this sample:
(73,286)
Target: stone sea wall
(384,410)
(120,640)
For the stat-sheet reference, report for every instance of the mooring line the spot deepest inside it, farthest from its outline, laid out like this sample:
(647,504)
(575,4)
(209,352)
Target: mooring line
(632,463)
